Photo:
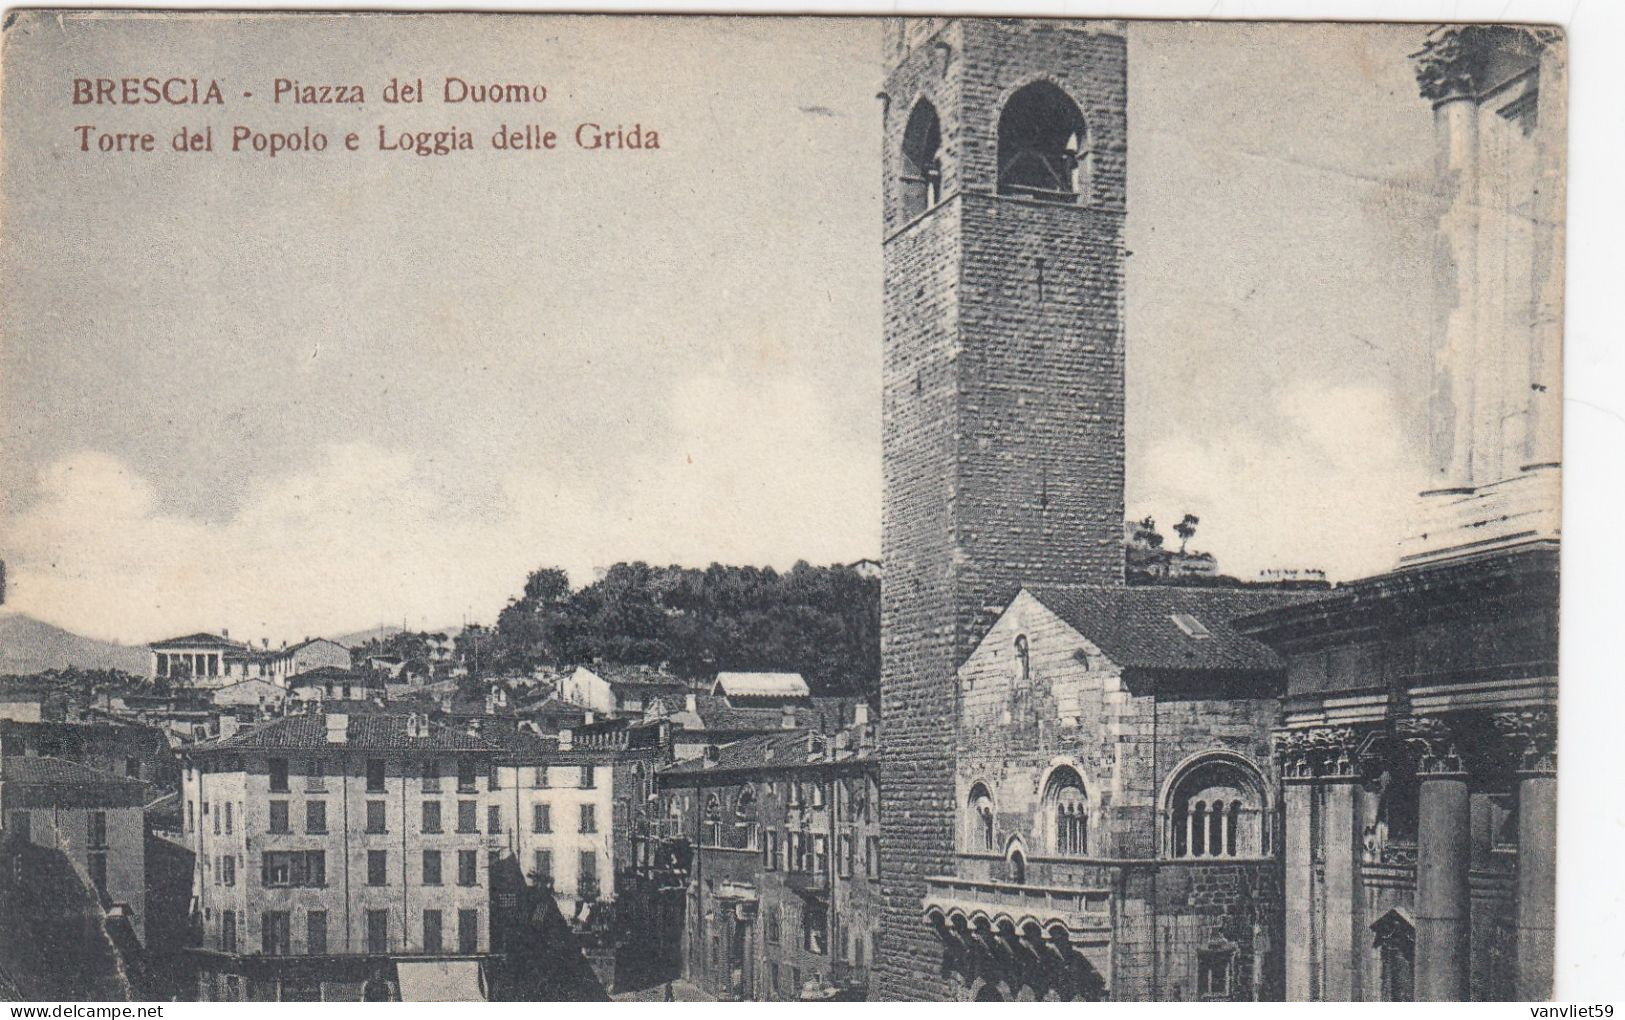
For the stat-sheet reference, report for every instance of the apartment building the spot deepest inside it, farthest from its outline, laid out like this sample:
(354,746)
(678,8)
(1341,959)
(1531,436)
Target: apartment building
(342,857)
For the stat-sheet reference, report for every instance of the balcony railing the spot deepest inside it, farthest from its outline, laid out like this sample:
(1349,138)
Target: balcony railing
(973,903)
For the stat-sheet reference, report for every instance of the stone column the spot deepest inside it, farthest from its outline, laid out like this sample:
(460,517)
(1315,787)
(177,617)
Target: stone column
(1341,838)
(1301,961)
(1443,870)
(1534,734)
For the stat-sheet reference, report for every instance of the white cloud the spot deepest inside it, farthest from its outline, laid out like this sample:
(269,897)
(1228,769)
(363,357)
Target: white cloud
(363,534)
(1324,483)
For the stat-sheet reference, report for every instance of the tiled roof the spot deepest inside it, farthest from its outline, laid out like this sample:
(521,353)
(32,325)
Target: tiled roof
(761,685)
(1137,626)
(782,750)
(313,641)
(198,640)
(336,675)
(27,770)
(377,732)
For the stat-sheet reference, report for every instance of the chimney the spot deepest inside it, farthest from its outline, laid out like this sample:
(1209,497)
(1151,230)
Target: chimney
(265,643)
(860,714)
(228,725)
(587,717)
(338,728)
(691,704)
(787,718)
(225,633)
(566,738)
(713,754)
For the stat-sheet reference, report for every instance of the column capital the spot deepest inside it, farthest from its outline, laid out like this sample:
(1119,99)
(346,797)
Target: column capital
(1434,743)
(1533,736)
(1451,63)
(1326,753)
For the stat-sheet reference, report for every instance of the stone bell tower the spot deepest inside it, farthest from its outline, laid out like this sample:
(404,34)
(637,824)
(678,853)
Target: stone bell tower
(1005,157)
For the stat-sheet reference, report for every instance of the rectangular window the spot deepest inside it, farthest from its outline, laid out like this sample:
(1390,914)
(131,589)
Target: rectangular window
(228,817)
(274,933)
(132,768)
(315,817)
(376,817)
(544,869)
(773,977)
(814,925)
(431,867)
(466,820)
(316,932)
(377,867)
(539,780)
(589,818)
(775,920)
(98,871)
(431,931)
(844,862)
(228,870)
(280,868)
(375,775)
(216,817)
(587,876)
(468,864)
(468,931)
(279,775)
(228,931)
(588,777)
(191,817)
(316,776)
(820,855)
(493,818)
(817,794)
(98,828)
(377,931)
(493,777)
(770,851)
(871,857)
(467,775)
(431,777)
(431,816)
(1213,974)
(541,818)
(279,816)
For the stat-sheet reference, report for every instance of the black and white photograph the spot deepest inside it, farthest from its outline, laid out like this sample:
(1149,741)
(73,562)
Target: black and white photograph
(512,507)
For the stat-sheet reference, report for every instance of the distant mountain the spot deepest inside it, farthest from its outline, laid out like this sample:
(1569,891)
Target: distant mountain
(361,637)
(28,645)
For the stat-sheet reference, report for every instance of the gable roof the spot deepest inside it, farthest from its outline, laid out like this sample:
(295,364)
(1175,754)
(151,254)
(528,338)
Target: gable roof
(787,749)
(374,732)
(1136,626)
(761,685)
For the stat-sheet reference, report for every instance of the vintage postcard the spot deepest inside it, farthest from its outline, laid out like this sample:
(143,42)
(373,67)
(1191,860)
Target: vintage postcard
(536,507)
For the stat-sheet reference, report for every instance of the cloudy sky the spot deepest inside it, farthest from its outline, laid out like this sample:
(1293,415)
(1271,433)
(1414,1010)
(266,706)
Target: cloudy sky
(315,393)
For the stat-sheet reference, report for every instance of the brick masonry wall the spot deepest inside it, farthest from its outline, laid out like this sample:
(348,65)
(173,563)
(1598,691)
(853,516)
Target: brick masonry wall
(1003,451)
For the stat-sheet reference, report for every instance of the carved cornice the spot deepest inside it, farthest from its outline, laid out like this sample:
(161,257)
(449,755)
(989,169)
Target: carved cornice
(1452,60)
(1533,734)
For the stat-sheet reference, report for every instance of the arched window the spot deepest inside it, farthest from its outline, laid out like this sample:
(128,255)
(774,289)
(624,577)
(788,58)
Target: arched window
(922,161)
(1216,809)
(745,806)
(979,819)
(1041,145)
(1018,866)
(713,821)
(1066,807)
(1024,659)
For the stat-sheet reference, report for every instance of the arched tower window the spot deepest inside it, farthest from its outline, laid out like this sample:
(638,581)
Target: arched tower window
(1066,807)
(979,819)
(1024,660)
(922,160)
(1041,145)
(1216,809)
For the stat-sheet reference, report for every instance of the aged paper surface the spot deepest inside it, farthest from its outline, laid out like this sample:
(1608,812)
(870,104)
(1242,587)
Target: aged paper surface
(505,507)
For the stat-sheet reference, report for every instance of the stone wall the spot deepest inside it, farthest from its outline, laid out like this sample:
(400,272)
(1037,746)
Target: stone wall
(1003,449)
